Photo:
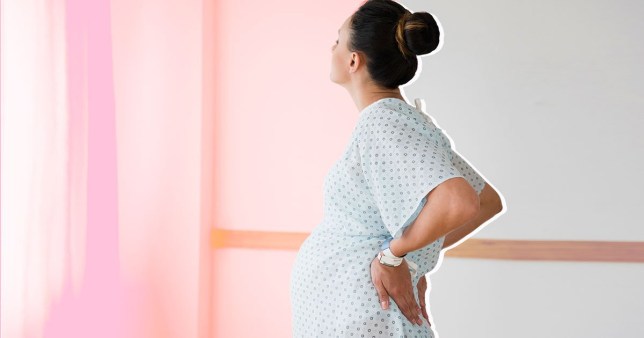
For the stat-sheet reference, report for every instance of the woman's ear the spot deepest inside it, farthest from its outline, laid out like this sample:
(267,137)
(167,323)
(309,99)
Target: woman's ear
(356,61)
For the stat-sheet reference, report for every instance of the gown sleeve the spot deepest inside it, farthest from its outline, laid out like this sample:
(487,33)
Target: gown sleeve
(472,176)
(403,158)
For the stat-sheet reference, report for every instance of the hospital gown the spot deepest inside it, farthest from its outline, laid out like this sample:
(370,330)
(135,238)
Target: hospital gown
(395,157)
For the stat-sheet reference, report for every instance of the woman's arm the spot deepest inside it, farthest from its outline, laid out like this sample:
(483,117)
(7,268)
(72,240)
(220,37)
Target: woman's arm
(449,205)
(491,205)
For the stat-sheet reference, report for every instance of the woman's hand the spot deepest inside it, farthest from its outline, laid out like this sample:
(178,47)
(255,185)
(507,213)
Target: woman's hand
(422,288)
(396,282)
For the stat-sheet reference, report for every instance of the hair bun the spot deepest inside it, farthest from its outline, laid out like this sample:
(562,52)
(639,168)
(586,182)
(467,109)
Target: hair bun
(417,33)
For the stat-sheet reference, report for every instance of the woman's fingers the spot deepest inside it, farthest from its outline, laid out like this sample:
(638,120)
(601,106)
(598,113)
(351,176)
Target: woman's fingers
(422,288)
(409,308)
(424,309)
(383,296)
(425,314)
(404,298)
(395,282)
(414,309)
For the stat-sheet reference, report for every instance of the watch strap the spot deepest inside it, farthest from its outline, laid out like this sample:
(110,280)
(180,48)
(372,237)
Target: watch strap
(385,257)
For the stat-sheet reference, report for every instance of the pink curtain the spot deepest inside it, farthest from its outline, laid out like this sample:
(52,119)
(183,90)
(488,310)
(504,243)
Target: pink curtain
(101,168)
(44,162)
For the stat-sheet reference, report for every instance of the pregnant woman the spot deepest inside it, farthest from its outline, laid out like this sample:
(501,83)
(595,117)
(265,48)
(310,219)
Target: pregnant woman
(397,196)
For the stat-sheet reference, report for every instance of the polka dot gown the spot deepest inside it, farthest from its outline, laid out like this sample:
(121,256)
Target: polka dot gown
(395,157)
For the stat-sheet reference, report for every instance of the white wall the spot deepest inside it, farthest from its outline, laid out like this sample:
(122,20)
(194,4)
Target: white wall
(545,100)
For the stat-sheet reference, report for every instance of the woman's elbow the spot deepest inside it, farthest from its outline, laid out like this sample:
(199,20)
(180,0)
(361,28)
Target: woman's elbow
(490,199)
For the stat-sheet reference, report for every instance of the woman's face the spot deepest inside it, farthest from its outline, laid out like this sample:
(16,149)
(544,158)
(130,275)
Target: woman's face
(341,57)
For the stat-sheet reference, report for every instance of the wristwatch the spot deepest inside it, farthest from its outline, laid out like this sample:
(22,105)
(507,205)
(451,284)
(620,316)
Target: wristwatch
(386,257)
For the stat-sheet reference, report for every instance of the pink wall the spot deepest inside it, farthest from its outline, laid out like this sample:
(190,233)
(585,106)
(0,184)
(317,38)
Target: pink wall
(101,165)
(157,86)
(280,124)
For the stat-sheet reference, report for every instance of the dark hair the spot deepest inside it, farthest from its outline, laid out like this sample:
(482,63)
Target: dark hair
(391,37)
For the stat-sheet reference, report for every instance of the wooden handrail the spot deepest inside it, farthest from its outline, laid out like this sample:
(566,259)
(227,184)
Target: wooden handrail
(538,250)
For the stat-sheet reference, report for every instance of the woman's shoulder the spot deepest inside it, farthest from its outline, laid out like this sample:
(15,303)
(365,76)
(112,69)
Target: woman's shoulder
(398,126)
